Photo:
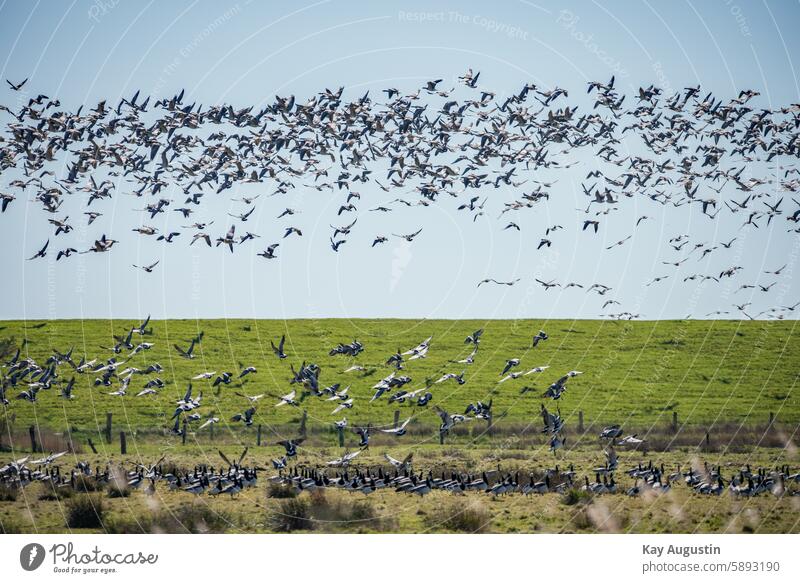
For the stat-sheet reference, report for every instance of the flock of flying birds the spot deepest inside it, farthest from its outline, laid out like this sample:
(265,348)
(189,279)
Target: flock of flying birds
(714,157)
(23,379)
(118,374)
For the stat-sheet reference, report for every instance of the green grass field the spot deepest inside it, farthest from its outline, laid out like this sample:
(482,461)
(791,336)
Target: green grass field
(721,377)
(635,373)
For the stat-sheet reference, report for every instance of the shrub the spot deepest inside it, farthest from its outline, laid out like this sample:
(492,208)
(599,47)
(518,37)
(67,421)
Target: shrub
(85,512)
(51,493)
(292,514)
(10,525)
(574,496)
(118,491)
(472,517)
(278,490)
(88,484)
(192,518)
(328,513)
(8,494)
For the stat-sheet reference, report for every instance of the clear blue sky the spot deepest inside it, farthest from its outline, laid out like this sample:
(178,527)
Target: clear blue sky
(244,53)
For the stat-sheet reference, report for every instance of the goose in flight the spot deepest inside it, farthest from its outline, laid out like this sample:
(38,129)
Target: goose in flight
(6,200)
(141,329)
(548,284)
(223,379)
(246,416)
(48,459)
(491,280)
(41,252)
(237,463)
(198,236)
(469,359)
(540,336)
(269,253)
(480,409)
(555,391)
(278,350)
(459,378)
(18,86)
(399,430)
(229,239)
(189,352)
(344,230)
(363,433)
(419,351)
(252,398)
(510,363)
(244,216)
(430,86)
(208,422)
(288,399)
(339,395)
(348,404)
(448,420)
(630,440)
(553,422)
(409,237)
(656,280)
(510,377)
(776,271)
(169,237)
(345,460)
(474,338)
(619,243)
(405,464)
(147,268)
(66,253)
(611,432)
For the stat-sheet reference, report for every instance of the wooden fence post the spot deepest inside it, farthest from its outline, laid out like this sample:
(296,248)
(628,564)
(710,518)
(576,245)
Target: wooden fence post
(303,424)
(91,444)
(674,422)
(183,433)
(580,421)
(70,444)
(490,424)
(396,418)
(32,434)
(108,427)
(441,438)
(708,439)
(771,420)
(123,443)
(211,432)
(258,435)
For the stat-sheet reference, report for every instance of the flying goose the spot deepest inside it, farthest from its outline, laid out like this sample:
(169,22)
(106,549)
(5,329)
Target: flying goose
(278,350)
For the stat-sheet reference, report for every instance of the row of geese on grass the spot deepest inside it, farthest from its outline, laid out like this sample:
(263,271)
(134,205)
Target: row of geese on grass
(235,477)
